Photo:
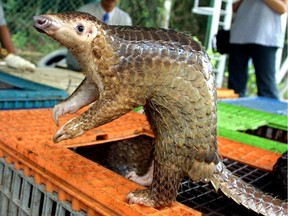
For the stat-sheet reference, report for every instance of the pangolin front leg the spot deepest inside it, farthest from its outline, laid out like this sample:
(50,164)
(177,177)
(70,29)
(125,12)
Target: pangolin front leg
(102,111)
(86,93)
(144,180)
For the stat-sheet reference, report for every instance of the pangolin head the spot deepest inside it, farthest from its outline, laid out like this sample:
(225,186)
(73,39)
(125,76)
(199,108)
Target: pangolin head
(74,30)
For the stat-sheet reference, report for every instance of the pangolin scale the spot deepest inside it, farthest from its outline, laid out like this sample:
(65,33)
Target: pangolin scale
(171,76)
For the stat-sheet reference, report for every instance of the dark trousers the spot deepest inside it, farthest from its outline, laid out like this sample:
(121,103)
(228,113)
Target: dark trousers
(264,61)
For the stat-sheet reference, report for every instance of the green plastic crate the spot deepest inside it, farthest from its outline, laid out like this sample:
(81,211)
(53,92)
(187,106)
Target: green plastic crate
(234,120)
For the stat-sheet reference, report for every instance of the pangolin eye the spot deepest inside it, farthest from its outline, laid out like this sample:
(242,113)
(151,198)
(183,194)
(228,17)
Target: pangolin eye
(80,28)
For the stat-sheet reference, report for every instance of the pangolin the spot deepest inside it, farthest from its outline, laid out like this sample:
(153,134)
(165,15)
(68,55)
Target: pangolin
(170,75)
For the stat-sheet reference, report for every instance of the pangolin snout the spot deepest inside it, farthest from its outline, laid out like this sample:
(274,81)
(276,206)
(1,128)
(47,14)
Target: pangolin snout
(41,23)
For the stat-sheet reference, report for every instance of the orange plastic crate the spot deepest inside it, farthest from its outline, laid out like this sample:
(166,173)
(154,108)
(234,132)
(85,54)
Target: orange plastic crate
(26,142)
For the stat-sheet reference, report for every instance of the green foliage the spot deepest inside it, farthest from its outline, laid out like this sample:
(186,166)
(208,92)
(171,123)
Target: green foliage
(147,13)
(19,15)
(19,40)
(143,13)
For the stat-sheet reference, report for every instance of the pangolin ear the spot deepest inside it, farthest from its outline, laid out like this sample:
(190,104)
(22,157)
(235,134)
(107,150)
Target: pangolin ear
(91,32)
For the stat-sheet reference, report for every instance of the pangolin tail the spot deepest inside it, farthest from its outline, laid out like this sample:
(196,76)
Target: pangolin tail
(247,195)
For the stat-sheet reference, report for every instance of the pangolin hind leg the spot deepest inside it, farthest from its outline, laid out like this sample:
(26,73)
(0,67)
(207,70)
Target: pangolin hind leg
(162,192)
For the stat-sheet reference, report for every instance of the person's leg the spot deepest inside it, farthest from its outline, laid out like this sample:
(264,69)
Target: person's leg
(264,61)
(238,68)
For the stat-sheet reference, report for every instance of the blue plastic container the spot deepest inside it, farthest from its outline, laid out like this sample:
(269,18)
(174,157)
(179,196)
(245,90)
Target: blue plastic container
(268,105)
(19,93)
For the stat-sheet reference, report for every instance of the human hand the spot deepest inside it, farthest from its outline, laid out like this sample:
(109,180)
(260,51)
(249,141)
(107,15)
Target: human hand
(18,62)
(279,7)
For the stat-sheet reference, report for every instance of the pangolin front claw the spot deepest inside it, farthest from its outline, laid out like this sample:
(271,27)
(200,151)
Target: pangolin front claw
(61,109)
(68,131)
(138,179)
(145,180)
(57,111)
(59,136)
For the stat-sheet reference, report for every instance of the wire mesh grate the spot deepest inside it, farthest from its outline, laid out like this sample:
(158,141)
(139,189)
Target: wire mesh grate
(202,197)
(199,196)
(19,195)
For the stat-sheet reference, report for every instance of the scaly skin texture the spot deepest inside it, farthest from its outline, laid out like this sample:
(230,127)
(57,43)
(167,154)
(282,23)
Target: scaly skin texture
(166,72)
